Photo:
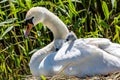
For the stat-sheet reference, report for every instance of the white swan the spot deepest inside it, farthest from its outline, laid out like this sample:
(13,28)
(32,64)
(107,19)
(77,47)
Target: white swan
(41,14)
(82,57)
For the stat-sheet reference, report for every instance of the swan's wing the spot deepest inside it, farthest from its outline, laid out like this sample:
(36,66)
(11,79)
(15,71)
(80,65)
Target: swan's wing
(87,59)
(74,50)
(38,56)
(81,50)
(41,53)
(79,59)
(104,44)
(113,49)
(99,42)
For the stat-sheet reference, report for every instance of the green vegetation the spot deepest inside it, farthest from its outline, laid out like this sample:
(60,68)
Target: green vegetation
(87,18)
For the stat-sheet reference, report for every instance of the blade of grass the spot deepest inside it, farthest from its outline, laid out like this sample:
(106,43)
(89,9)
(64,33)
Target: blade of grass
(105,10)
(6,31)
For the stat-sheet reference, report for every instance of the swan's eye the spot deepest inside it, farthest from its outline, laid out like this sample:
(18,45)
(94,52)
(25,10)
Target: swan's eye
(29,21)
(67,39)
(57,49)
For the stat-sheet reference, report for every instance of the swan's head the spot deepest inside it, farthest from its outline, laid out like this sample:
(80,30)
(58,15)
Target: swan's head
(33,17)
(71,36)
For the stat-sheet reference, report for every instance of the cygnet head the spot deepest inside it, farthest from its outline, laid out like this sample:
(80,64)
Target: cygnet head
(33,17)
(58,44)
(71,37)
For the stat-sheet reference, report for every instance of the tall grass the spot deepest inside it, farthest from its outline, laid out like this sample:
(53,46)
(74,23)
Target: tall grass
(87,18)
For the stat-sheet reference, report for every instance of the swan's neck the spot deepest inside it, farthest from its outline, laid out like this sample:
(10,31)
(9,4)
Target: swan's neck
(58,28)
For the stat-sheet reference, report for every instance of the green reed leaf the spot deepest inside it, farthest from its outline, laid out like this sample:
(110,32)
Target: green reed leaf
(105,10)
(72,7)
(117,31)
(6,31)
(3,1)
(29,3)
(104,24)
(7,21)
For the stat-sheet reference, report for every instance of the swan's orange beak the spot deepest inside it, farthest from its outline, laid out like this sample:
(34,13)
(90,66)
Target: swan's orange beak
(29,27)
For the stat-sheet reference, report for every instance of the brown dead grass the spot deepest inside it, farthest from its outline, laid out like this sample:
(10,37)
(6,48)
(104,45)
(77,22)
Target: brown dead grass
(111,76)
